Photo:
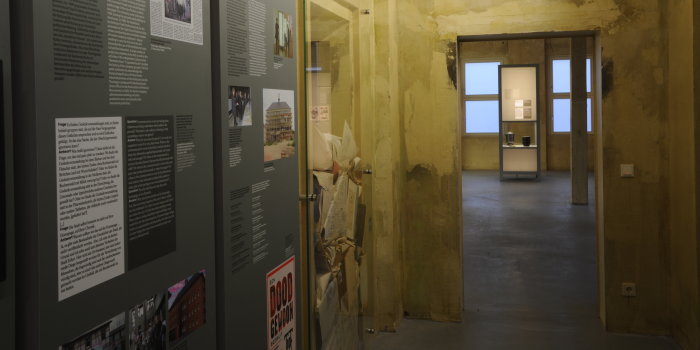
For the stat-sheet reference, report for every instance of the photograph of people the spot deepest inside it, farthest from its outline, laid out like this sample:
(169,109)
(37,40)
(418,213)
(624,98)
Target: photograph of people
(240,111)
(283,35)
(147,324)
(179,10)
(110,335)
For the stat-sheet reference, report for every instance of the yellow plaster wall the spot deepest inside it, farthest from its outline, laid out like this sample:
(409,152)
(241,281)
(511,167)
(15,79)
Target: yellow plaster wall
(646,232)
(634,123)
(634,231)
(431,223)
(480,152)
(559,152)
(683,260)
(388,179)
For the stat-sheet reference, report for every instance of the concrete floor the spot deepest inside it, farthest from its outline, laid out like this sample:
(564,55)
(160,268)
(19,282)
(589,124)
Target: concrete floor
(529,274)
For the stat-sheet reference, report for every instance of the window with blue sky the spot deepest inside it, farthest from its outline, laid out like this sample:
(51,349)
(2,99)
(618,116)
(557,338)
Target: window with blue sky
(561,95)
(481,97)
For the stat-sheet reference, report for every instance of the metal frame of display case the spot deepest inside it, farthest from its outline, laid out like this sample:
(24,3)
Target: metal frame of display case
(536,123)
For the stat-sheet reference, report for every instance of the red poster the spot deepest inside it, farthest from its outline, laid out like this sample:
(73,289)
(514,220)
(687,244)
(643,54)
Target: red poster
(281,317)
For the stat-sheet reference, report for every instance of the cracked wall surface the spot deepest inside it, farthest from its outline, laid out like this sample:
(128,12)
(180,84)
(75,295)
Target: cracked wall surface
(647,225)
(682,209)
(431,211)
(636,227)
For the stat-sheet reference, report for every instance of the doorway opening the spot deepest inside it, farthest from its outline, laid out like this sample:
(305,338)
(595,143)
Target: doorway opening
(529,253)
(533,262)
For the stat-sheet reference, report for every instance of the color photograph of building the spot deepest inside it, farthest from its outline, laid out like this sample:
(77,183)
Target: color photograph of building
(186,306)
(279,124)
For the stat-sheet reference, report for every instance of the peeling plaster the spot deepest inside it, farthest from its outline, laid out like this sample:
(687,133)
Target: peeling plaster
(431,225)
(608,82)
(513,16)
(420,173)
(632,39)
(451,61)
(428,176)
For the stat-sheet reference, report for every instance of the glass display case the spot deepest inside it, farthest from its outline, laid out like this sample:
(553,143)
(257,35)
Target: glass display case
(519,145)
(339,134)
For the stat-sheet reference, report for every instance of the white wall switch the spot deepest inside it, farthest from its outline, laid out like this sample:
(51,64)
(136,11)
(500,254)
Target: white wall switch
(627,170)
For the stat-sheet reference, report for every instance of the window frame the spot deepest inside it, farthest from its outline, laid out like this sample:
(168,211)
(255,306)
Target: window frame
(470,98)
(567,95)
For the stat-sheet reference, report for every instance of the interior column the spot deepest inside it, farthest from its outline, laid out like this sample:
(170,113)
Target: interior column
(579,133)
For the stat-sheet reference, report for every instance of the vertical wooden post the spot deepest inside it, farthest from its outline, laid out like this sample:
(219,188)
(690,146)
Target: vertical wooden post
(579,132)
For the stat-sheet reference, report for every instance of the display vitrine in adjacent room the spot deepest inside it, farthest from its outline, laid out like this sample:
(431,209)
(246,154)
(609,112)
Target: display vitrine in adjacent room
(519,145)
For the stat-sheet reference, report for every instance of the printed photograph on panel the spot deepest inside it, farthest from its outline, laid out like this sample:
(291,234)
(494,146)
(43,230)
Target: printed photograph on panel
(179,10)
(284,45)
(110,335)
(181,20)
(147,326)
(186,306)
(240,110)
(279,123)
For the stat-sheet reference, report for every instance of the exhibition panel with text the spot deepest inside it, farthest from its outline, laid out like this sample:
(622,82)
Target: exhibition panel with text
(117,208)
(257,191)
(156,175)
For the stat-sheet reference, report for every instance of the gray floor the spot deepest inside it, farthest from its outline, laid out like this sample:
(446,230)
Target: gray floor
(530,274)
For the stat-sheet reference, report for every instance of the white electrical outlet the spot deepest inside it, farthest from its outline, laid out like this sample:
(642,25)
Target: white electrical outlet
(629,289)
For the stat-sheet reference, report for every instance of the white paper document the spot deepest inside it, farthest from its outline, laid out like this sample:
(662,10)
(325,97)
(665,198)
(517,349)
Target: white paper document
(519,113)
(89,202)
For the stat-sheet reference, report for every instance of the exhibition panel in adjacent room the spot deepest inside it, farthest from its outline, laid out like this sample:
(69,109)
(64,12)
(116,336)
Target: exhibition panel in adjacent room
(257,182)
(116,174)
(7,250)
(519,145)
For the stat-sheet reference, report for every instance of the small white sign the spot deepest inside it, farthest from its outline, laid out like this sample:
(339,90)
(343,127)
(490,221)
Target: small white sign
(519,113)
(627,170)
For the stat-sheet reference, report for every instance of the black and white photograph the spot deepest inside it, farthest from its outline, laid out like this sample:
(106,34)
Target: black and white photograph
(179,10)
(284,47)
(240,111)
(147,324)
(110,335)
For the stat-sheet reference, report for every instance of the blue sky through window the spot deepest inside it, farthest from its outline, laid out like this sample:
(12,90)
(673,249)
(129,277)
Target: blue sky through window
(482,116)
(561,76)
(481,78)
(562,115)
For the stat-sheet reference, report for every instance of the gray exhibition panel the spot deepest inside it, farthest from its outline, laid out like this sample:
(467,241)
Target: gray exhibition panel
(7,275)
(256,128)
(116,175)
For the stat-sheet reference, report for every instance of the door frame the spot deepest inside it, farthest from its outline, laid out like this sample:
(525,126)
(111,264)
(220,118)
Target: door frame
(596,67)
